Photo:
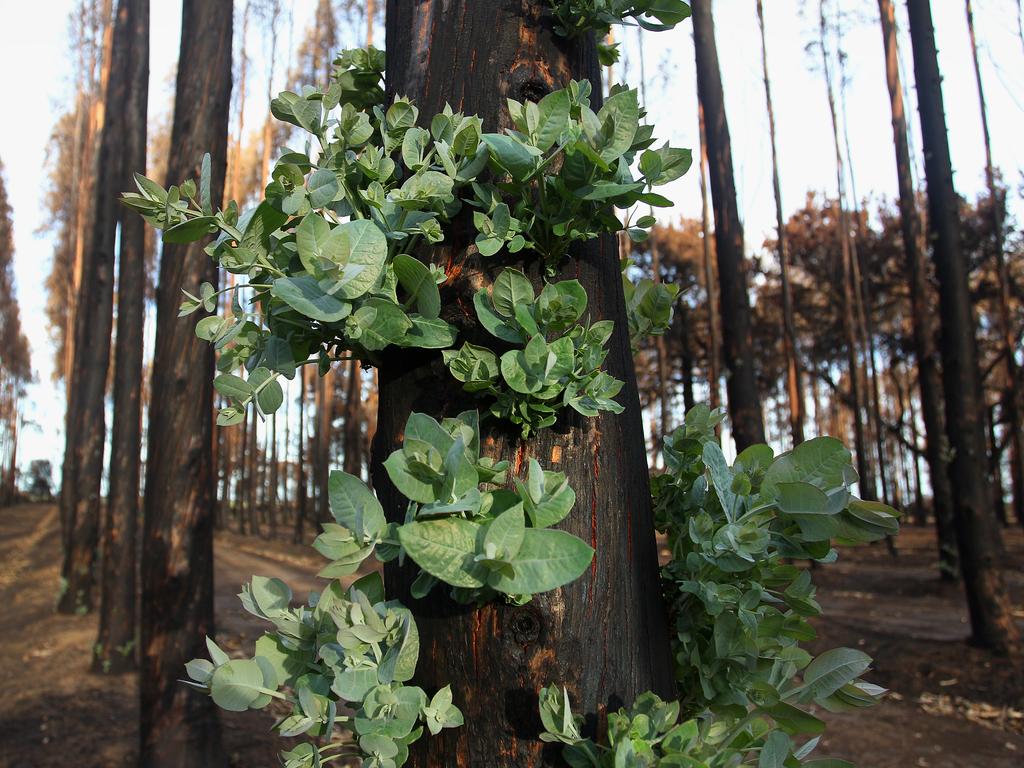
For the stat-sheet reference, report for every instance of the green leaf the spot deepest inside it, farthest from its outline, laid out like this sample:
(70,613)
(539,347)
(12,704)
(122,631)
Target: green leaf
(204,186)
(674,163)
(775,751)
(381,323)
(190,230)
(322,187)
(354,505)
(234,387)
(554,118)
(511,155)
(511,287)
(832,670)
(270,397)
(495,324)
(620,116)
(546,560)
(414,276)
(236,684)
(304,295)
(505,533)
(361,249)
(445,549)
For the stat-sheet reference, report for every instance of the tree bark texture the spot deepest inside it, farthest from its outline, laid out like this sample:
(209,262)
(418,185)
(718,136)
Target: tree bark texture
(929,381)
(794,374)
(741,378)
(86,418)
(180,728)
(1011,395)
(115,647)
(604,636)
(981,549)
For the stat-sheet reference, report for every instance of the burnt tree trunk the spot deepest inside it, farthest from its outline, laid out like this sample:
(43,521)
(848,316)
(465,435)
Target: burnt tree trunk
(604,636)
(849,295)
(741,379)
(977,530)
(85,431)
(1011,395)
(928,378)
(794,374)
(180,728)
(115,646)
(707,261)
(353,429)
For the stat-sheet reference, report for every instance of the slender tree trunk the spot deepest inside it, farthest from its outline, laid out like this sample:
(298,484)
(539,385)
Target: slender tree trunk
(929,382)
(274,479)
(180,728)
(371,13)
(235,191)
(353,434)
(604,636)
(115,646)
(995,466)
(1011,395)
(741,378)
(794,386)
(86,425)
(849,303)
(711,296)
(977,530)
(684,329)
(300,468)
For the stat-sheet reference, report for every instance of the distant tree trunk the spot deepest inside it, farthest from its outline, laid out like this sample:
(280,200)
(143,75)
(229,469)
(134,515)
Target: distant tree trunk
(235,191)
(929,382)
(180,728)
(371,12)
(794,386)
(115,646)
(300,467)
(324,428)
(605,643)
(849,303)
(684,329)
(1011,395)
(252,479)
(86,417)
(274,479)
(711,298)
(353,434)
(977,530)
(741,380)
(995,466)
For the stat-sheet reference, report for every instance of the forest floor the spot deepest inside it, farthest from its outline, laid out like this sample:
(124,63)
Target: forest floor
(951,706)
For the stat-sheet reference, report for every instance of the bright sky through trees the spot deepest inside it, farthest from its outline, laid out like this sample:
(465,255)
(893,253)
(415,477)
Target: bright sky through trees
(35,61)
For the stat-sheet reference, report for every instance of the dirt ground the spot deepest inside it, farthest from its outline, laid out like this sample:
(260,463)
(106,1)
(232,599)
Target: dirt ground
(951,706)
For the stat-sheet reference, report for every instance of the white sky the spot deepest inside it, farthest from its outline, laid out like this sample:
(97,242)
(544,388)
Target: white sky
(35,62)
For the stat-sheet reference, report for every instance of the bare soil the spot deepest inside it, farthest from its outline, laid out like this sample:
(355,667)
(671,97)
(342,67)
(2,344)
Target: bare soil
(951,706)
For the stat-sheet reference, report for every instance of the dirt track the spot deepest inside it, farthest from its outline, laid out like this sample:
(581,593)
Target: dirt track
(954,707)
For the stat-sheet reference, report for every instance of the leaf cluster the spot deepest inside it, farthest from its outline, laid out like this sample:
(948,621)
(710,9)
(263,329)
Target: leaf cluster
(577,17)
(460,527)
(328,265)
(652,732)
(648,306)
(555,360)
(342,662)
(558,175)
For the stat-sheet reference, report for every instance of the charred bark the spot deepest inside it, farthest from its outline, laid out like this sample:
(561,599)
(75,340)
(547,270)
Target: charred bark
(115,647)
(604,636)
(977,531)
(929,382)
(741,380)
(180,728)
